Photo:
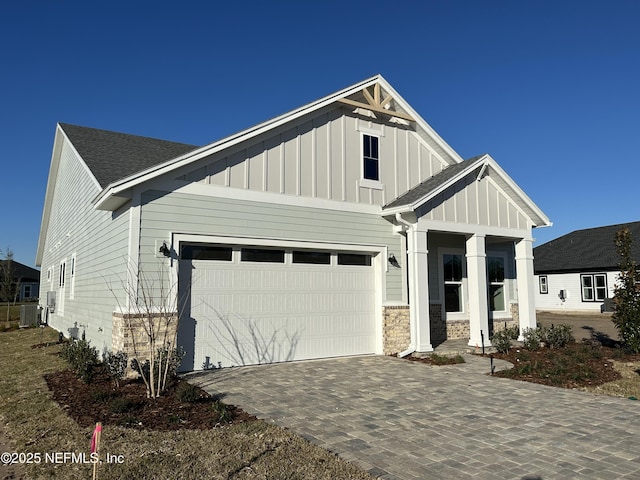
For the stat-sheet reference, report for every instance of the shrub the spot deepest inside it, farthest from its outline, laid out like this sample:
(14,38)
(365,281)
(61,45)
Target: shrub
(513,332)
(140,369)
(123,405)
(224,414)
(169,361)
(501,341)
(116,364)
(187,393)
(626,294)
(531,338)
(558,336)
(82,358)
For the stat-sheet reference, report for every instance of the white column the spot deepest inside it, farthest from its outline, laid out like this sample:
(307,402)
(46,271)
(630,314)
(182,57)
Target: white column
(421,292)
(477,285)
(525,280)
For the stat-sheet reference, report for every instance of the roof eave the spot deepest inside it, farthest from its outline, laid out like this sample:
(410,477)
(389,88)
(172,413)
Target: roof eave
(410,207)
(48,199)
(543,220)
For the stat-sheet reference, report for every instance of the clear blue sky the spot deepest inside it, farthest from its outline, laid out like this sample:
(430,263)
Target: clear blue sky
(551,89)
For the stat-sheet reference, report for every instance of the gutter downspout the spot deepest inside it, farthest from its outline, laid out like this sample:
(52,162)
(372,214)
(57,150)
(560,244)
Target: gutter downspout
(409,228)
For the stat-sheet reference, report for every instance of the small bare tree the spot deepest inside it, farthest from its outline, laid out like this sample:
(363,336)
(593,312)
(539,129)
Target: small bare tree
(151,319)
(7,285)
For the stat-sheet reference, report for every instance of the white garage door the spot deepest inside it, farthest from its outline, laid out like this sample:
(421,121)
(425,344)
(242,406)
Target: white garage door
(252,305)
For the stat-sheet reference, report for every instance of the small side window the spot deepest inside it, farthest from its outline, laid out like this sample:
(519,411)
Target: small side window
(544,286)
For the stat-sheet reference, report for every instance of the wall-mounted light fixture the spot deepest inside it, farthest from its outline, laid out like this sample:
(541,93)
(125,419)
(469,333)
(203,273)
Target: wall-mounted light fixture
(393,261)
(164,250)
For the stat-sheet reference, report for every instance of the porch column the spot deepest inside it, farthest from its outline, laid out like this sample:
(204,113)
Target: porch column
(477,286)
(421,292)
(524,281)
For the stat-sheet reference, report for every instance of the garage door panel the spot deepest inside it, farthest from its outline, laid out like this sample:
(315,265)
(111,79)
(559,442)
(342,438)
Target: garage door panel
(247,313)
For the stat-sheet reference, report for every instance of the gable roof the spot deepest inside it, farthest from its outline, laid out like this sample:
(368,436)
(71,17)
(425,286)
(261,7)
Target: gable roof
(111,156)
(591,249)
(22,272)
(117,192)
(431,187)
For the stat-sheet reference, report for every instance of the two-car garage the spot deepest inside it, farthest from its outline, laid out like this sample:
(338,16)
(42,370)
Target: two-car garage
(251,304)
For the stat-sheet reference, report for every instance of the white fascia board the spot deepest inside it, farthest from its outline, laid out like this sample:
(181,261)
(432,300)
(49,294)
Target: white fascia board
(58,143)
(115,188)
(102,201)
(421,122)
(473,229)
(48,198)
(543,220)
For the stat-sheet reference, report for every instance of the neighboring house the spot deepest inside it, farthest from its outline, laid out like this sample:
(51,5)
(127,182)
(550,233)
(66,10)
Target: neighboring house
(346,226)
(27,279)
(578,271)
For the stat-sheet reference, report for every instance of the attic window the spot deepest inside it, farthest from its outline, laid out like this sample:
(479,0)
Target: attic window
(371,158)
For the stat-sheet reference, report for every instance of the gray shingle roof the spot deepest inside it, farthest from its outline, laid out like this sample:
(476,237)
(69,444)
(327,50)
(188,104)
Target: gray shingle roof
(111,156)
(431,184)
(22,272)
(591,249)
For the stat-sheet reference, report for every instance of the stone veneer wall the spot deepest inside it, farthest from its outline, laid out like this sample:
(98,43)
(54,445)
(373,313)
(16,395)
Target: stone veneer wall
(458,329)
(129,334)
(515,312)
(396,329)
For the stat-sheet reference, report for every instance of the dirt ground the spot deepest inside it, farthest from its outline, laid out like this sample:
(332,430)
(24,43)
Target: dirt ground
(597,326)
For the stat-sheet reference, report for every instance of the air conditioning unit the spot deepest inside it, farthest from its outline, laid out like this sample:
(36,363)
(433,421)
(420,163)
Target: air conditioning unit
(28,316)
(51,301)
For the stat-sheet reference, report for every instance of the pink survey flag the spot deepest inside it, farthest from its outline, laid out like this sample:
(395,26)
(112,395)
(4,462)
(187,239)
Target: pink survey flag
(95,438)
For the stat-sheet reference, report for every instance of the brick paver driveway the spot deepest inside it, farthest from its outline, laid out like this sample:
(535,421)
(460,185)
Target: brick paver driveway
(404,420)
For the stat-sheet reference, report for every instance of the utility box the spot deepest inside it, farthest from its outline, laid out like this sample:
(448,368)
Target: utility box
(608,305)
(28,316)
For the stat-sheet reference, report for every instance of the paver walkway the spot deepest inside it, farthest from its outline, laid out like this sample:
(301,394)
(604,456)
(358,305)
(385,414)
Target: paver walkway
(399,419)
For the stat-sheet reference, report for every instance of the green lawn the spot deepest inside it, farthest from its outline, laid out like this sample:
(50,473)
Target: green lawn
(40,426)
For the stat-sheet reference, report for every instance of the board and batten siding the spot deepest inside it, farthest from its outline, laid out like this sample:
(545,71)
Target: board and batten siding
(321,157)
(98,242)
(163,213)
(475,202)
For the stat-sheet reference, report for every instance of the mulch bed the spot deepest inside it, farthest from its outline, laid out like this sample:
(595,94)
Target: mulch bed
(128,405)
(575,366)
(437,360)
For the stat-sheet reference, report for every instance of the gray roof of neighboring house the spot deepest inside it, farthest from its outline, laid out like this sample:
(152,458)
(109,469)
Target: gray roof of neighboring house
(429,185)
(111,156)
(22,272)
(590,250)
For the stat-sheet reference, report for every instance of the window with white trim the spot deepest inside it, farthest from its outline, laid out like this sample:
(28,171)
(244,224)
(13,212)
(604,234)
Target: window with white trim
(371,157)
(593,287)
(495,270)
(452,268)
(543,283)
(63,271)
(72,291)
